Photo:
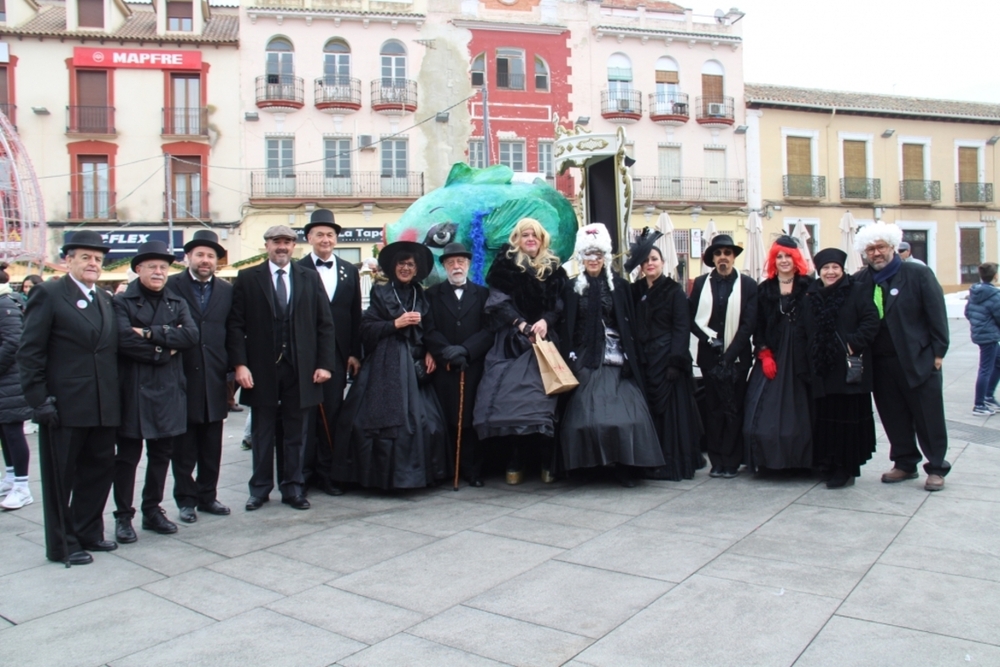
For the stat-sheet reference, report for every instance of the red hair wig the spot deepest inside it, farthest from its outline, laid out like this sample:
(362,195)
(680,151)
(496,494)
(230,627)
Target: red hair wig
(801,267)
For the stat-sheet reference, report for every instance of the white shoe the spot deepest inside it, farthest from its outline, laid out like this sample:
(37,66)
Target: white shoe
(30,427)
(6,485)
(17,498)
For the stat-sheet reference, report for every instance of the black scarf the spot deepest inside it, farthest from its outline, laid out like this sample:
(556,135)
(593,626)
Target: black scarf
(826,303)
(593,331)
(153,298)
(887,272)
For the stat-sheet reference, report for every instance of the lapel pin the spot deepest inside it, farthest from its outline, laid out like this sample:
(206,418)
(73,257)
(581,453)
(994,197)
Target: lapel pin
(82,303)
(894,291)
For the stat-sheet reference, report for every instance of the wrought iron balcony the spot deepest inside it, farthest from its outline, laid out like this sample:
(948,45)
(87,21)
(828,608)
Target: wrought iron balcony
(715,110)
(279,92)
(337,94)
(510,80)
(394,97)
(621,106)
(974,193)
(667,189)
(288,184)
(804,187)
(186,121)
(186,205)
(91,205)
(90,120)
(669,108)
(925,192)
(862,189)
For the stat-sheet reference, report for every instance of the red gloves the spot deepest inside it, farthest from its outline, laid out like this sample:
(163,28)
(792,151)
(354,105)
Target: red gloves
(767,364)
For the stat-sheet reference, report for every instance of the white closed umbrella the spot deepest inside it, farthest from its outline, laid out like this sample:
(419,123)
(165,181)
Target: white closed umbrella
(666,245)
(710,233)
(848,227)
(754,257)
(801,234)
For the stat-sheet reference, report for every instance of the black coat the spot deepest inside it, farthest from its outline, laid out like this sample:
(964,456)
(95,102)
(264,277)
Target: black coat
(848,311)
(154,402)
(663,334)
(13,407)
(458,322)
(71,353)
(345,308)
(916,316)
(770,322)
(207,363)
(250,333)
(530,299)
(740,349)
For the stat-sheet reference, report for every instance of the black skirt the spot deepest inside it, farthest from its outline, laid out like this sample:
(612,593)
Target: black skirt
(844,436)
(679,431)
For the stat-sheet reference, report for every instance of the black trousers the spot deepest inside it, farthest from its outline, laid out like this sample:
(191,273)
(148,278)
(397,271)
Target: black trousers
(723,435)
(201,446)
(158,451)
(317,460)
(294,426)
(911,414)
(80,475)
(15,447)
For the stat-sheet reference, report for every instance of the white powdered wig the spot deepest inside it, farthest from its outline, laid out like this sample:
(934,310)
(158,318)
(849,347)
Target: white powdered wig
(880,231)
(593,238)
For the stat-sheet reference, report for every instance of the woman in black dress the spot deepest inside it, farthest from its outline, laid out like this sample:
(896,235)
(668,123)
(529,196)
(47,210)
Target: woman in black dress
(391,419)
(777,426)
(663,335)
(840,319)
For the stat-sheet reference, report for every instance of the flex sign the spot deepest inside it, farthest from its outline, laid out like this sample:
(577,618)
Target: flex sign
(136,58)
(125,242)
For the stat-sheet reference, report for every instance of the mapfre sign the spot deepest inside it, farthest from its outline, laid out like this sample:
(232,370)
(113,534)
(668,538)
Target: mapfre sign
(136,58)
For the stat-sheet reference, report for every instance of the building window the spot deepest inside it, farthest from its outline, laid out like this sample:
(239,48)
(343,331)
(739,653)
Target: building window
(92,112)
(6,104)
(3,10)
(541,74)
(970,187)
(336,63)
(337,167)
(92,199)
(668,185)
(971,252)
(90,13)
(917,238)
(280,61)
(280,174)
(479,70)
(349,255)
(545,159)
(187,198)
(393,56)
(620,97)
(512,154)
(477,154)
(180,15)
(510,69)
(712,83)
(395,180)
(667,99)
(184,113)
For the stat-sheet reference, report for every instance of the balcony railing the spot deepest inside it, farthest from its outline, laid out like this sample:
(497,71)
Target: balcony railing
(394,96)
(9,110)
(186,121)
(337,92)
(863,189)
(510,80)
(920,191)
(974,193)
(621,105)
(665,188)
(277,183)
(279,90)
(669,108)
(186,205)
(91,205)
(805,187)
(90,120)
(715,110)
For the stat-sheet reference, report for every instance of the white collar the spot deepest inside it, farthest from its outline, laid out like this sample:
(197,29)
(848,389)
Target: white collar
(317,259)
(274,267)
(83,288)
(197,279)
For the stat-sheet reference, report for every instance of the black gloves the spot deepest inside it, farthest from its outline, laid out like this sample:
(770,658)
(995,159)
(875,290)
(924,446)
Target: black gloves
(451,353)
(46,413)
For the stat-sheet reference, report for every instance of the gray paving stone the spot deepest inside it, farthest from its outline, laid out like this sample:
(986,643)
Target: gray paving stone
(503,639)
(274,572)
(806,552)
(496,494)
(78,636)
(540,532)
(351,546)
(572,598)
(212,594)
(783,575)
(868,494)
(442,574)
(404,649)
(845,528)
(12,524)
(347,614)
(258,637)
(609,497)
(954,524)
(438,521)
(167,555)
(715,623)
(572,516)
(18,554)
(973,564)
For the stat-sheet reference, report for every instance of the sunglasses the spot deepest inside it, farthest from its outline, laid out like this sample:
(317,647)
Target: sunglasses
(724,252)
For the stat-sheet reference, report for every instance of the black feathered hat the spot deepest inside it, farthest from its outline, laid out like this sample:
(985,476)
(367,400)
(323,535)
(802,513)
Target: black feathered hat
(639,251)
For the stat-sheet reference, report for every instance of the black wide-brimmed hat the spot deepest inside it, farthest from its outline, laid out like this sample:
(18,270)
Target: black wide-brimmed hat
(422,255)
(321,217)
(720,241)
(85,239)
(455,249)
(152,250)
(830,256)
(207,238)
(639,251)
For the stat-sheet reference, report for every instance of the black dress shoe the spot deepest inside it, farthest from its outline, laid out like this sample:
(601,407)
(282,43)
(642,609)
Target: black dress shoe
(297,502)
(255,503)
(80,558)
(214,507)
(187,514)
(730,473)
(124,532)
(159,523)
(716,471)
(329,488)
(476,482)
(103,545)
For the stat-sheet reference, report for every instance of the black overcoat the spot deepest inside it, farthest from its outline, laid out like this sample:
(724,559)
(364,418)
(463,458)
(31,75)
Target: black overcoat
(663,335)
(154,404)
(71,353)
(771,321)
(250,336)
(739,350)
(13,407)
(207,363)
(345,307)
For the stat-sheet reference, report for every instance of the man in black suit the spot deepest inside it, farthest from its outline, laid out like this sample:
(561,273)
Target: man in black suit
(343,291)
(907,355)
(69,372)
(459,342)
(281,341)
(205,368)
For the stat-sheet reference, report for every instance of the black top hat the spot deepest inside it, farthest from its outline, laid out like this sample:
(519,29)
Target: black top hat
(828,256)
(421,254)
(207,238)
(455,249)
(639,251)
(85,239)
(321,217)
(152,250)
(720,241)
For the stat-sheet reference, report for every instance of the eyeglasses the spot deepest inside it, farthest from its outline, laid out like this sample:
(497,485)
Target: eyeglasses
(881,249)
(407,265)
(723,252)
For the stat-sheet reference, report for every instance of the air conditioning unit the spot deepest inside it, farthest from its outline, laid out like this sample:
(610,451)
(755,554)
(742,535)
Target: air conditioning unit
(624,105)
(365,142)
(716,109)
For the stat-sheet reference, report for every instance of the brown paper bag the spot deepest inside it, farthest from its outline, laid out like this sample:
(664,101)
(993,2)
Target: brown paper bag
(557,378)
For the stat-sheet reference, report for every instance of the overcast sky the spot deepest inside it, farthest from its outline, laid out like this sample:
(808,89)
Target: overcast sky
(949,50)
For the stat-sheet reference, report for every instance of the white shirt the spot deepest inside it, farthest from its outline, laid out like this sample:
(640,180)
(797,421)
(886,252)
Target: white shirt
(288,278)
(326,274)
(459,290)
(197,279)
(84,288)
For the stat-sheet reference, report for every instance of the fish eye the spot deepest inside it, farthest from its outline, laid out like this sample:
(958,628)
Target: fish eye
(440,234)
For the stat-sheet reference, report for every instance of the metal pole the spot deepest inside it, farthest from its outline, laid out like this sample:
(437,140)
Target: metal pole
(170,202)
(486,120)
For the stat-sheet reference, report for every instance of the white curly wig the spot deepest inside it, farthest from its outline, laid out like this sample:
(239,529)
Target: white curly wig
(874,233)
(588,238)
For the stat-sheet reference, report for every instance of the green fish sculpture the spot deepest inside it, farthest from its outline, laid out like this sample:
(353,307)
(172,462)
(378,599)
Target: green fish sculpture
(479,208)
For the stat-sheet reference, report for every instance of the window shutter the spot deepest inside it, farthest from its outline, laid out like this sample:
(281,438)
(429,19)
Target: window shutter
(913,162)
(968,165)
(799,154)
(855,159)
(666,77)
(4,94)
(715,163)
(670,162)
(90,13)
(180,10)
(191,164)
(711,87)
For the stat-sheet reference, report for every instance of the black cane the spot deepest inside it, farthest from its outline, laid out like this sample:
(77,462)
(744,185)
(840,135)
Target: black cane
(57,469)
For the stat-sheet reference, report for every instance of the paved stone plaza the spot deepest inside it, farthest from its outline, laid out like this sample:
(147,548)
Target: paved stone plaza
(707,572)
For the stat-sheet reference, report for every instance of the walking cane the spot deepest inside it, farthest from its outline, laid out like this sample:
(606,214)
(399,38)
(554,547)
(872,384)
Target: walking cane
(326,427)
(57,469)
(461,409)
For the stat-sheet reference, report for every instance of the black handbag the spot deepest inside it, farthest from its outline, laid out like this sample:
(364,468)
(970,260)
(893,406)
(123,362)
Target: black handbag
(855,364)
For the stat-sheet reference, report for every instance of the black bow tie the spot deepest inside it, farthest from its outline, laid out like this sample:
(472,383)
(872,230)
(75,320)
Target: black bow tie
(455,288)
(320,263)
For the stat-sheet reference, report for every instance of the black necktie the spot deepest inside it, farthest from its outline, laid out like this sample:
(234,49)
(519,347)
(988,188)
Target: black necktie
(320,263)
(282,292)
(93,295)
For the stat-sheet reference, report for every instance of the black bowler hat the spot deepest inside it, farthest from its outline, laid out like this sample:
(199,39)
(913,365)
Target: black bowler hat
(85,239)
(639,251)
(321,217)
(207,238)
(422,255)
(830,256)
(720,241)
(455,249)
(152,250)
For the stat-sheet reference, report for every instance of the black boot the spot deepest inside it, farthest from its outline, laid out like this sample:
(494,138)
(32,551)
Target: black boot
(840,478)
(623,474)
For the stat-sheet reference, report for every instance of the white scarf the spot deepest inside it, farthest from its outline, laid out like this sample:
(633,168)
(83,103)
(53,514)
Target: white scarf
(704,312)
